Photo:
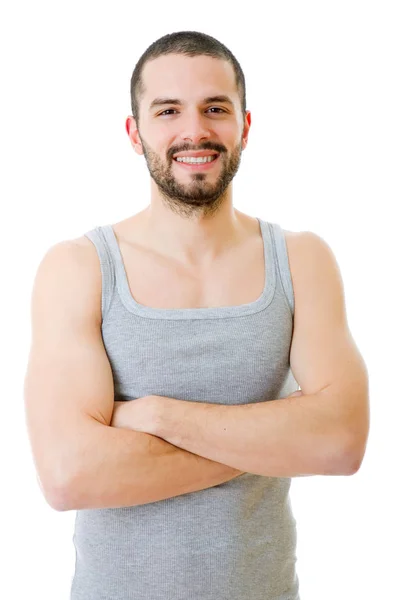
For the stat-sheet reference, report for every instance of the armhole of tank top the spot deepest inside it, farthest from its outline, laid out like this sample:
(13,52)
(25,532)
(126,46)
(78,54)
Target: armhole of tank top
(96,236)
(283,266)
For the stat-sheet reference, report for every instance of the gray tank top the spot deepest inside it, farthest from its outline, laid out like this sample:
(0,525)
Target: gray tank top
(233,541)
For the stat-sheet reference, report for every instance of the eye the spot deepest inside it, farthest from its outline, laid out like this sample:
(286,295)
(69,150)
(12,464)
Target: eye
(168,110)
(165,111)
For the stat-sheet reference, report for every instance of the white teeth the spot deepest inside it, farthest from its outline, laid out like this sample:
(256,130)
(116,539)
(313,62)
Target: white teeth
(193,159)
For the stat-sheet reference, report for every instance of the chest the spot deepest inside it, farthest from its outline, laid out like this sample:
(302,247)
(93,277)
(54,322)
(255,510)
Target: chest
(210,359)
(235,279)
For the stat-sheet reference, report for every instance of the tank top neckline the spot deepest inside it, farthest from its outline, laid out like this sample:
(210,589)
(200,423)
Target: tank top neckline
(193,313)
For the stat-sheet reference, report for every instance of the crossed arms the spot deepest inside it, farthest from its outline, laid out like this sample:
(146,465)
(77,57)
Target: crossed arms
(187,446)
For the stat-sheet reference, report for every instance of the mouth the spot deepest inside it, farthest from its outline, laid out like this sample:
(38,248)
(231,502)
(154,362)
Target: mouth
(199,166)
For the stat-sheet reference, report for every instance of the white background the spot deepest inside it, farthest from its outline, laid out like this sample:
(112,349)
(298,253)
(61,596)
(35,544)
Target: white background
(323,155)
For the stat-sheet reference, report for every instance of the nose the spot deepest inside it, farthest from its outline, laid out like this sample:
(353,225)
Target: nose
(195,128)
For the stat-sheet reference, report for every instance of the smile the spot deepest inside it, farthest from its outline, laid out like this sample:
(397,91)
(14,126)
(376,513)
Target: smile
(198,164)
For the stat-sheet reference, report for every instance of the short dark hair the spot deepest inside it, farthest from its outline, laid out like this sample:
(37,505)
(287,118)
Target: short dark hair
(189,43)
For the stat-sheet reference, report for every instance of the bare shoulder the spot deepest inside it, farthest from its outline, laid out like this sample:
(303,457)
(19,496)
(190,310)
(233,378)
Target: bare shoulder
(307,241)
(79,251)
(82,242)
(296,235)
(71,267)
(309,255)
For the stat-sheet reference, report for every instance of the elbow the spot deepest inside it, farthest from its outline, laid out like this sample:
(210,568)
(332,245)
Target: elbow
(51,494)
(59,495)
(350,466)
(341,458)
(55,497)
(357,437)
(355,461)
(352,457)
(59,501)
(67,496)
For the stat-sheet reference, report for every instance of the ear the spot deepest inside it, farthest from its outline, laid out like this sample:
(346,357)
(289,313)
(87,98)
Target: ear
(246,127)
(133,134)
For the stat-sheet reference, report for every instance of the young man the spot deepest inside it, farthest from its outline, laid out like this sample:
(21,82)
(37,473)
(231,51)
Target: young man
(165,350)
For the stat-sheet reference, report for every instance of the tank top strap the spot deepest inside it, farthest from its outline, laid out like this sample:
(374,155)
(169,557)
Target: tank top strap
(104,243)
(98,238)
(282,262)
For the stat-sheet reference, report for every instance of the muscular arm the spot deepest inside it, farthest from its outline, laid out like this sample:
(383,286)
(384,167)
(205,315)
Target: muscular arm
(162,470)
(134,468)
(81,461)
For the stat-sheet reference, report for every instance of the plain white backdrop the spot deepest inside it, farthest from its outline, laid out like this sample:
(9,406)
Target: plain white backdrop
(323,155)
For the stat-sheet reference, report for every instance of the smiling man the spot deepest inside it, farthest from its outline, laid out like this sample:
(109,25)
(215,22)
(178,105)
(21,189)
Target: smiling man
(192,143)
(165,352)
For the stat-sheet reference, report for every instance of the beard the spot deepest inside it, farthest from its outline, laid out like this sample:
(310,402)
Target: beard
(199,195)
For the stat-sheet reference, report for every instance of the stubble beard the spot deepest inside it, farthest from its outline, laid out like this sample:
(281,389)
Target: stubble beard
(198,196)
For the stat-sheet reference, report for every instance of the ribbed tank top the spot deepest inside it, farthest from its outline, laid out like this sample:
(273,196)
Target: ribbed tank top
(233,541)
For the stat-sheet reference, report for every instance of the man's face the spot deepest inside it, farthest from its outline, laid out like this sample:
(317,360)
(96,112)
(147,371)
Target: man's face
(191,115)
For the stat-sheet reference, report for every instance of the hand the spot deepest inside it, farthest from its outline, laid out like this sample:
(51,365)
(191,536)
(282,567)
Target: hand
(119,415)
(139,414)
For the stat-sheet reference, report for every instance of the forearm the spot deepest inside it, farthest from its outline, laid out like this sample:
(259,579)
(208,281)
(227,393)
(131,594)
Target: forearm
(288,437)
(119,467)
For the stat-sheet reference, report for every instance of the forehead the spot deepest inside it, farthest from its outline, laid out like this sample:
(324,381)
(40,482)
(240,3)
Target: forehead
(180,76)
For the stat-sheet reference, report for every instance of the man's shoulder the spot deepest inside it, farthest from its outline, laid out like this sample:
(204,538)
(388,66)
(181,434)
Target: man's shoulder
(294,239)
(306,248)
(82,241)
(303,238)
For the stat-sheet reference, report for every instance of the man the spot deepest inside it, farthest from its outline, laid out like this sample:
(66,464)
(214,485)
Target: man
(165,350)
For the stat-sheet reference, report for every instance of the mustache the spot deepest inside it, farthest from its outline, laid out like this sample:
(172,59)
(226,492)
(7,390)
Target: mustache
(206,146)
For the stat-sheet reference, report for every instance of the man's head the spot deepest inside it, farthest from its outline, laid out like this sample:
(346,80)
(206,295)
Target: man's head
(188,96)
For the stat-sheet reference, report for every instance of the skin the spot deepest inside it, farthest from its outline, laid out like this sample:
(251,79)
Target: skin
(144,414)
(191,215)
(191,220)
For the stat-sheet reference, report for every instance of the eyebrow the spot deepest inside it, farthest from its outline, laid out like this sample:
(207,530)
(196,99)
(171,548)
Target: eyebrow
(208,100)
